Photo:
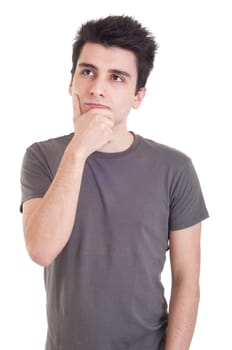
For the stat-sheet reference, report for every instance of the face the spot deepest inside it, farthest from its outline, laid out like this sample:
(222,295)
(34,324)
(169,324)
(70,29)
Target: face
(106,77)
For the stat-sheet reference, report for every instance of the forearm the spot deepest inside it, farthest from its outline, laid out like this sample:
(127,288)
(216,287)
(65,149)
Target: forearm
(182,314)
(48,222)
(49,226)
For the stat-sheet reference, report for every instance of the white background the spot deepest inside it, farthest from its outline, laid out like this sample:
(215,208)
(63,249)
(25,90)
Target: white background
(187,106)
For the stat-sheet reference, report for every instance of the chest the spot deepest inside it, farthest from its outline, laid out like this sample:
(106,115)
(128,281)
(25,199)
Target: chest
(123,207)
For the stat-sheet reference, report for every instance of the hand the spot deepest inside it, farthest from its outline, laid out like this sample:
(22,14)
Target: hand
(93,129)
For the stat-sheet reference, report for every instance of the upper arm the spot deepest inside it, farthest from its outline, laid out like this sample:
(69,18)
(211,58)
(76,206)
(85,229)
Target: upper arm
(35,178)
(185,252)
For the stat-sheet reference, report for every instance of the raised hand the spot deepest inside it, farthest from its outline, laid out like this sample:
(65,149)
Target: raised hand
(93,129)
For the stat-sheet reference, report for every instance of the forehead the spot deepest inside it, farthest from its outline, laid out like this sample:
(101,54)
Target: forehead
(109,58)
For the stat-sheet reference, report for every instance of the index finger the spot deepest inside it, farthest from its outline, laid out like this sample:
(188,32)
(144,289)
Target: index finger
(76,106)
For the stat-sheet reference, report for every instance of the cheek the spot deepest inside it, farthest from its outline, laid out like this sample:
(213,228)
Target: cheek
(127,102)
(75,87)
(78,85)
(123,108)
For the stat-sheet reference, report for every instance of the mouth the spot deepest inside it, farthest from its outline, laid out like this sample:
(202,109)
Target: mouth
(92,105)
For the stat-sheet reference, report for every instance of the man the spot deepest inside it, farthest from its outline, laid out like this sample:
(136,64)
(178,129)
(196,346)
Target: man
(102,205)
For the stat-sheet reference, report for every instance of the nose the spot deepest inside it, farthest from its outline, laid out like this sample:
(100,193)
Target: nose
(98,88)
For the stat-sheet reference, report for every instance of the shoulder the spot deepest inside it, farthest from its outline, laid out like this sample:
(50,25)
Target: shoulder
(60,141)
(46,154)
(50,146)
(164,154)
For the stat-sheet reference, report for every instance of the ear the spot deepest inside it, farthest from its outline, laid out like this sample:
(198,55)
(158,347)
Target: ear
(139,97)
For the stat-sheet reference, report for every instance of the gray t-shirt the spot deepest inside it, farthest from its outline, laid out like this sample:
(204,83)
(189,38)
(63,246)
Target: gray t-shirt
(104,289)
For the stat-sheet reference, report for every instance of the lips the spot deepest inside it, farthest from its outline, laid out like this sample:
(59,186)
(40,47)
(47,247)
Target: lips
(92,105)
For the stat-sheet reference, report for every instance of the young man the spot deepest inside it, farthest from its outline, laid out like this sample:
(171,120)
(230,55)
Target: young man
(102,205)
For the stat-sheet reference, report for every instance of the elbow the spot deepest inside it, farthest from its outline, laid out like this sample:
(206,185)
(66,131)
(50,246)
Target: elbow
(37,249)
(42,261)
(39,256)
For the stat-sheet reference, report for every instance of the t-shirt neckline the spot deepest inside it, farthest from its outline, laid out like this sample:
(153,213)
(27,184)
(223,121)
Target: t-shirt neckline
(132,147)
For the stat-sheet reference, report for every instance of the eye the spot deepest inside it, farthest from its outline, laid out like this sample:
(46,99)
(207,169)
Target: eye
(87,72)
(116,77)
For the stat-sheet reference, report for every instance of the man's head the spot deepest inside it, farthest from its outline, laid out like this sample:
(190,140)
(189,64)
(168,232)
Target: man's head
(123,32)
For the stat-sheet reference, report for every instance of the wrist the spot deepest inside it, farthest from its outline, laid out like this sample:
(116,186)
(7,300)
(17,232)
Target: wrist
(76,152)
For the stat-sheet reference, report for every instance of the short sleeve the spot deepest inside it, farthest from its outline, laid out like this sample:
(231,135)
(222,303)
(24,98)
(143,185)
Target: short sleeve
(35,175)
(187,205)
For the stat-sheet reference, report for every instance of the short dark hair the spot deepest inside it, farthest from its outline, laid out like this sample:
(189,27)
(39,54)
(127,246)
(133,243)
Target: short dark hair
(120,31)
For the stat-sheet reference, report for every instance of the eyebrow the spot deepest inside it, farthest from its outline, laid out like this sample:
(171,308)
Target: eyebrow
(113,71)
